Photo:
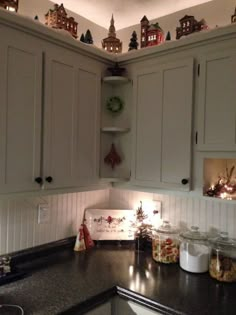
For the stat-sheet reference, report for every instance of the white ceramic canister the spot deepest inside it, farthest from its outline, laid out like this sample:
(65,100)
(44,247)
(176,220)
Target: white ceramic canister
(194,251)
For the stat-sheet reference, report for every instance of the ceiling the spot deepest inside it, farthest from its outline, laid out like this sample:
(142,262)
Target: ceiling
(126,12)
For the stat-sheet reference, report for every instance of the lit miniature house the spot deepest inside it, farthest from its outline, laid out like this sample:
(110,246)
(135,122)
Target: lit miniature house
(10,5)
(111,43)
(57,18)
(189,25)
(233,17)
(151,34)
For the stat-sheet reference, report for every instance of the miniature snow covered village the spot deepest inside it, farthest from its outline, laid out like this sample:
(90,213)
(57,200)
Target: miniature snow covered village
(151,34)
(189,25)
(57,18)
(111,43)
(10,5)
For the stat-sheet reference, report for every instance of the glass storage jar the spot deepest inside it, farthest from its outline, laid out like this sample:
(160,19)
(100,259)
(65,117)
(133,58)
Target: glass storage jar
(165,244)
(194,251)
(222,264)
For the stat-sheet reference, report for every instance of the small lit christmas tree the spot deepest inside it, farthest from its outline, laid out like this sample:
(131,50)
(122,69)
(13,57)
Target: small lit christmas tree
(143,232)
(133,41)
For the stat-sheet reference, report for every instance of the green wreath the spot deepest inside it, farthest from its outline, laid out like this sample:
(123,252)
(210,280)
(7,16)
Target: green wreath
(115,104)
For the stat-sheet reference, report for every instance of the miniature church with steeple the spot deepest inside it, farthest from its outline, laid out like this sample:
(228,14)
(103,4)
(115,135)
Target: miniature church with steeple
(111,43)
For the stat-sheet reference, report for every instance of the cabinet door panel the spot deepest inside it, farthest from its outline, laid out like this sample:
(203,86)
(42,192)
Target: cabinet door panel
(59,128)
(217,110)
(148,128)
(176,123)
(87,126)
(21,89)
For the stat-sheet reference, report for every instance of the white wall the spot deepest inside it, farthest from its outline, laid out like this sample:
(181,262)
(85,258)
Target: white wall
(31,8)
(19,228)
(216,12)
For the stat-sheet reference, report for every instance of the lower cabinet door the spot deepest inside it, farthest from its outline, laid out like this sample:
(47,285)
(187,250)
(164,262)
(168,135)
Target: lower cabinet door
(126,307)
(104,309)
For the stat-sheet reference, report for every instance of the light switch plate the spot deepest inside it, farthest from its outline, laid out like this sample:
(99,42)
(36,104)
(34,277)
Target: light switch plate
(43,213)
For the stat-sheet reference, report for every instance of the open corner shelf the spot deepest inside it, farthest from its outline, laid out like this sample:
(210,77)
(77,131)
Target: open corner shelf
(115,129)
(115,80)
(114,179)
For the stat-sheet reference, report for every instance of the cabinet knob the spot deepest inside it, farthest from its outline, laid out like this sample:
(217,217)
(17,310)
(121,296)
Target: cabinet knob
(38,180)
(184,181)
(49,179)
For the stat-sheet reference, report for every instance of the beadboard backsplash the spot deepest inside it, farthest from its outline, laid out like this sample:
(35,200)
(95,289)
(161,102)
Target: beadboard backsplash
(19,228)
(209,214)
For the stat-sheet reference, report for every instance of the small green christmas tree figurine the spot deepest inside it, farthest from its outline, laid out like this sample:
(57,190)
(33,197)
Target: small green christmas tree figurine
(133,41)
(82,38)
(143,230)
(168,36)
(88,39)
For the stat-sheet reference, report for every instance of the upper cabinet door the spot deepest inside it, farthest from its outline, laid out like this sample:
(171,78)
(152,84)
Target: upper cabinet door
(163,125)
(59,118)
(87,145)
(217,107)
(20,111)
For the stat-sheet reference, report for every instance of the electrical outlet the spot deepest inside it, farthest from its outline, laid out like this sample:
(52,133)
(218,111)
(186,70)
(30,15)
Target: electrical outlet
(43,213)
(157,215)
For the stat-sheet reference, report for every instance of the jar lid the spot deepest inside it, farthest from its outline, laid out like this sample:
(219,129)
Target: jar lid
(194,234)
(223,240)
(167,228)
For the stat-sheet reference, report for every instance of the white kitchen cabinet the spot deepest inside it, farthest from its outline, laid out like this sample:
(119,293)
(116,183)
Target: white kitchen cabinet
(20,111)
(49,131)
(163,125)
(216,97)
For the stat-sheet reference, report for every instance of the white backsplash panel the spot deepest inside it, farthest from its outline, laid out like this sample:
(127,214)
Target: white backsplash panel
(19,228)
(210,215)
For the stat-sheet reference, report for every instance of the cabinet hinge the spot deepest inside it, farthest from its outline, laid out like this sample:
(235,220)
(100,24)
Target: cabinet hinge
(196,137)
(198,70)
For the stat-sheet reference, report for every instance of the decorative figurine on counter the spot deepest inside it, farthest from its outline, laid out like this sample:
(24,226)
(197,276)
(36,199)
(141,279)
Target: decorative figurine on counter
(133,41)
(151,34)
(10,5)
(112,157)
(116,70)
(189,25)
(80,243)
(57,18)
(111,43)
(87,238)
(233,17)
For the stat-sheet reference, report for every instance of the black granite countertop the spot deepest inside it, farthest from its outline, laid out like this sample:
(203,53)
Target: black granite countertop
(62,282)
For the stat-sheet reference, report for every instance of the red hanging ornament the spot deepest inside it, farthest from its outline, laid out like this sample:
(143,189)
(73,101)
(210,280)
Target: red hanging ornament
(112,157)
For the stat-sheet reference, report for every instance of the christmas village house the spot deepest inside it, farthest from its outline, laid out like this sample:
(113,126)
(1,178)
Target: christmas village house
(10,5)
(57,18)
(150,34)
(189,25)
(111,43)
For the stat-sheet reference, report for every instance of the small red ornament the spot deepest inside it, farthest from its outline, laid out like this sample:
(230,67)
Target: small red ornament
(112,157)
(87,238)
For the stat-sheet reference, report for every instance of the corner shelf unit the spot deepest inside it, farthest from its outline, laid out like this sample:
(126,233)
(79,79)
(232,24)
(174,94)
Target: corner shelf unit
(115,128)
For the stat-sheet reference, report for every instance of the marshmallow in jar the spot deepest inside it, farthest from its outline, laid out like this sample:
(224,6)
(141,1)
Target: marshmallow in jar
(165,244)
(194,251)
